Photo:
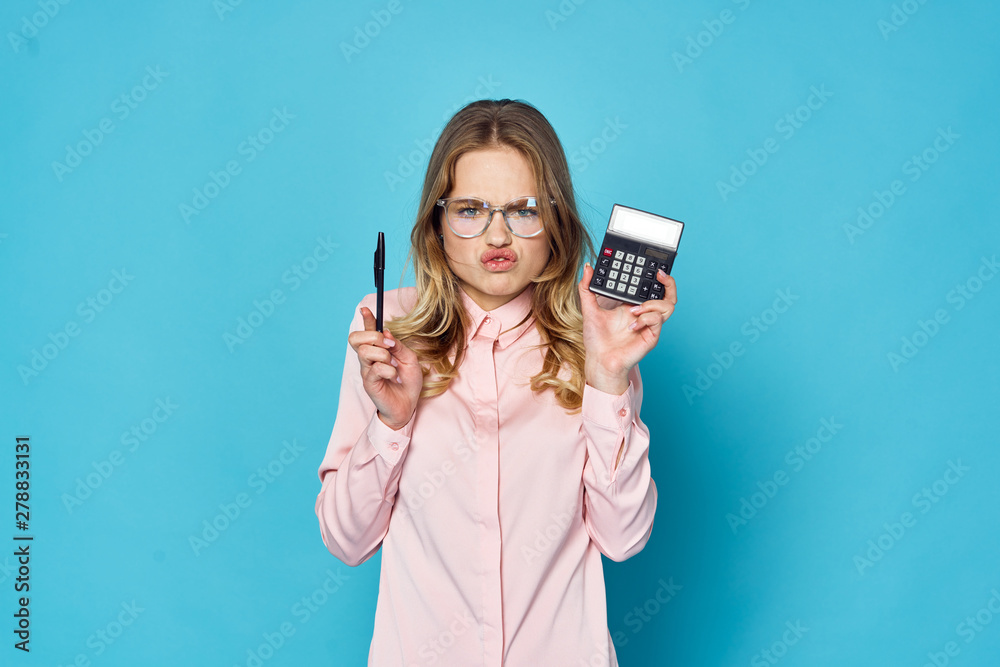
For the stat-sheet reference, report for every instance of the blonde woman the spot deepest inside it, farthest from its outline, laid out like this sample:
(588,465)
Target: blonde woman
(489,441)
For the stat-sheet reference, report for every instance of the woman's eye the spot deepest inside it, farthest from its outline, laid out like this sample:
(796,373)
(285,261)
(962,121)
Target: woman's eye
(468,212)
(527,213)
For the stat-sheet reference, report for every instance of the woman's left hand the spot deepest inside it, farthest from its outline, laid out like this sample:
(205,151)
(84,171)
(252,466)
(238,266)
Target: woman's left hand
(617,335)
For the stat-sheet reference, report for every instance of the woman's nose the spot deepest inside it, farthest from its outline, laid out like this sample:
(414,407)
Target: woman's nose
(497,234)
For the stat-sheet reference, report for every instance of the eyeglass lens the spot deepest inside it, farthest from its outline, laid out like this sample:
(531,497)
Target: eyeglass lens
(469,216)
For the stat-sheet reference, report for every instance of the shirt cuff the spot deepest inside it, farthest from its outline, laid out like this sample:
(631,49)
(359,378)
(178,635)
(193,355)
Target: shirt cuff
(390,445)
(607,410)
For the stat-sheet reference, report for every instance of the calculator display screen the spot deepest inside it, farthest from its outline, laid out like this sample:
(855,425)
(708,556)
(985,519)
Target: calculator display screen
(656,254)
(650,228)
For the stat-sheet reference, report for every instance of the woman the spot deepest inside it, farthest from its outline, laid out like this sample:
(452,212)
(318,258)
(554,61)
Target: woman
(489,440)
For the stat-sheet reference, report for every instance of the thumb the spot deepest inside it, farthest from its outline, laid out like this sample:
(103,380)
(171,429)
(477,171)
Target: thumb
(367,319)
(588,300)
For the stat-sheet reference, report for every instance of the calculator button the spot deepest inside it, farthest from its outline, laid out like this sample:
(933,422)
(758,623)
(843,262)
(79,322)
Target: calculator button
(619,254)
(622,287)
(611,285)
(616,264)
(601,271)
(649,273)
(631,291)
(656,296)
(630,258)
(635,280)
(605,261)
(608,252)
(598,281)
(657,288)
(641,261)
(644,290)
(652,265)
(613,275)
(637,270)
(627,268)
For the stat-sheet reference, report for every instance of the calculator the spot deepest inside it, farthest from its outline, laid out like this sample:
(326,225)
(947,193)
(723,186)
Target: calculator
(635,245)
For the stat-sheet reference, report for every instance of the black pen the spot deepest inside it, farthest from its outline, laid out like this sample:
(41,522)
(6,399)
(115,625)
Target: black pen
(379,280)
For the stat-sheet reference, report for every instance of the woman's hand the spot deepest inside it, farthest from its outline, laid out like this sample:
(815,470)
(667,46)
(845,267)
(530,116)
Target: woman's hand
(617,335)
(390,372)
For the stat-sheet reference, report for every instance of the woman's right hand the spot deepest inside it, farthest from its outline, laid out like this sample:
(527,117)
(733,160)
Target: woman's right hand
(390,372)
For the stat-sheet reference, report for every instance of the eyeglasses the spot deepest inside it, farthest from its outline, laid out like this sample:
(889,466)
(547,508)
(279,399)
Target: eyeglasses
(469,217)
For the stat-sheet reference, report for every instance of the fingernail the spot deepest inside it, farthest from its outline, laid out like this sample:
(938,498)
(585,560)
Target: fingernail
(635,310)
(399,380)
(389,342)
(634,325)
(587,264)
(393,361)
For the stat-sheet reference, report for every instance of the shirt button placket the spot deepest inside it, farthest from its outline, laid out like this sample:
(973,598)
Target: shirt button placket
(484,379)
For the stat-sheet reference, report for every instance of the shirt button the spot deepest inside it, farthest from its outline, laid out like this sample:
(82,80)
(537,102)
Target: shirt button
(487,320)
(393,446)
(623,412)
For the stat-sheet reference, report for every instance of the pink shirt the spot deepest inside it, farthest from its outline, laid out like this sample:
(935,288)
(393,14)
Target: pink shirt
(492,506)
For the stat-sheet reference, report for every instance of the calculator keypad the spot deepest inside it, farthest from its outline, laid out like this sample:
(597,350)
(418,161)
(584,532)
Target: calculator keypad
(627,273)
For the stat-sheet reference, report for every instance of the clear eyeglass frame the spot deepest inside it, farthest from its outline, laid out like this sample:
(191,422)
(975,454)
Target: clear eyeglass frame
(489,209)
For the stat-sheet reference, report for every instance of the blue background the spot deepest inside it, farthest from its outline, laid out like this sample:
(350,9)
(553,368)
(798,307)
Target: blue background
(340,169)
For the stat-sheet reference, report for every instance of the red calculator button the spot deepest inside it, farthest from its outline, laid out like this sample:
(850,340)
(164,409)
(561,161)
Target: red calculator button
(608,252)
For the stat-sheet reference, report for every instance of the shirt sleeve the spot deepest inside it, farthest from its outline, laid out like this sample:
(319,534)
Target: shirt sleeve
(360,471)
(619,493)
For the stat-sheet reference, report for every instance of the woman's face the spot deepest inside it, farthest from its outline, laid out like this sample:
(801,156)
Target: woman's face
(495,266)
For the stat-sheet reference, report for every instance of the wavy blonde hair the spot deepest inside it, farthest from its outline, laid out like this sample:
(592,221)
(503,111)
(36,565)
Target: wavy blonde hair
(435,328)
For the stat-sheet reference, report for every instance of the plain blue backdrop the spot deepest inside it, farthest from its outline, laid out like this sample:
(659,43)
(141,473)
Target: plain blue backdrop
(191,195)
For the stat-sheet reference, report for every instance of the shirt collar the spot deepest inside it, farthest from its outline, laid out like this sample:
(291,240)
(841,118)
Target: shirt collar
(503,324)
